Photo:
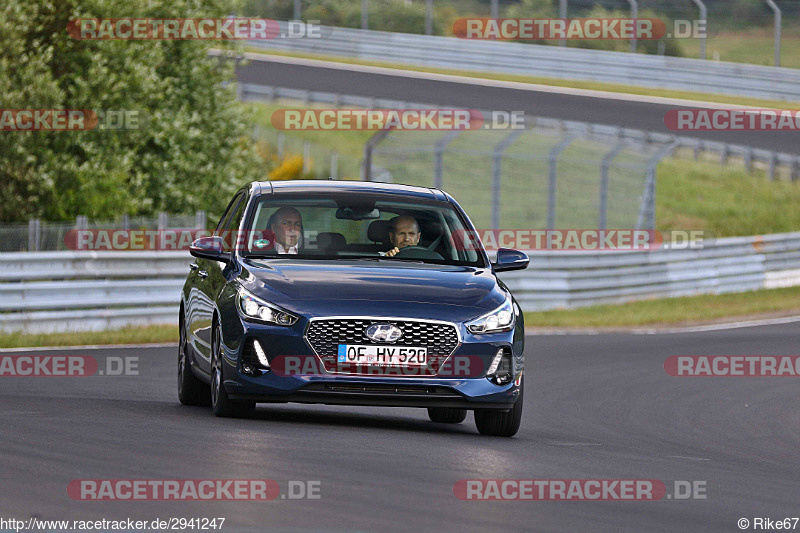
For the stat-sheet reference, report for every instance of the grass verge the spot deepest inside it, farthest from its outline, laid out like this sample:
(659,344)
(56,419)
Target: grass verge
(553,82)
(128,335)
(673,311)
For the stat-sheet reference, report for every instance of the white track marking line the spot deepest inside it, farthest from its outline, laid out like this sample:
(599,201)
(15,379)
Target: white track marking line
(90,347)
(656,331)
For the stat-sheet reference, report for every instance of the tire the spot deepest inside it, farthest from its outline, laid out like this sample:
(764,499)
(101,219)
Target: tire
(447,415)
(191,391)
(221,405)
(499,423)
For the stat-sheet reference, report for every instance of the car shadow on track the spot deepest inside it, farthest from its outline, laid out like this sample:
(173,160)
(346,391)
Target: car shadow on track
(377,420)
(266,413)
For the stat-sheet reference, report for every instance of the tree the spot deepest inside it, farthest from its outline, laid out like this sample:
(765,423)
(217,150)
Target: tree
(191,149)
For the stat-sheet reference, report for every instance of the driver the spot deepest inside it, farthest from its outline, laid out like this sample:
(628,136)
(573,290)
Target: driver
(287,225)
(404,232)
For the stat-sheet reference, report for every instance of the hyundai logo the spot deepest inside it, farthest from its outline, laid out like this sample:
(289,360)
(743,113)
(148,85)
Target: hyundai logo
(384,332)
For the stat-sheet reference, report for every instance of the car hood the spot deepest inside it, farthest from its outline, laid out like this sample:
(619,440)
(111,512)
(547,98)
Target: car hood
(381,289)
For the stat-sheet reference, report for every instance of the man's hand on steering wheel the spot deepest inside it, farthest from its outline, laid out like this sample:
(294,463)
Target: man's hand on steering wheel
(394,251)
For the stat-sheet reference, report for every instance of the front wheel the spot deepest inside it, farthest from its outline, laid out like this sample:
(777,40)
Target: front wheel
(221,405)
(499,423)
(191,390)
(447,415)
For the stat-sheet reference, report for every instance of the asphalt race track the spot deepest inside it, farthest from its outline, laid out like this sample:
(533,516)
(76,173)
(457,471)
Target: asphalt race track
(621,112)
(598,407)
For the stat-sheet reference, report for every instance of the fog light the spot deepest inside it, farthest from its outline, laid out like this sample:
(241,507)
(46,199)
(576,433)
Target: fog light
(249,370)
(262,357)
(500,371)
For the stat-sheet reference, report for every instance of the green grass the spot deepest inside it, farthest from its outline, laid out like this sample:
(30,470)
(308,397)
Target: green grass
(129,335)
(556,82)
(673,311)
(725,200)
(754,45)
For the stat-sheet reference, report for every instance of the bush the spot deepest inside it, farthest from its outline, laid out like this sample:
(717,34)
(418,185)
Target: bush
(191,151)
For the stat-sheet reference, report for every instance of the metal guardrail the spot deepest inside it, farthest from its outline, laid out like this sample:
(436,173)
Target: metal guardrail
(79,291)
(61,291)
(774,83)
(560,279)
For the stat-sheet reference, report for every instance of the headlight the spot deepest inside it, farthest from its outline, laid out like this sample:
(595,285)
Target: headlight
(257,309)
(501,319)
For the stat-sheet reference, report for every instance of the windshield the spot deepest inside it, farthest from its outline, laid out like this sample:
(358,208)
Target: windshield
(339,226)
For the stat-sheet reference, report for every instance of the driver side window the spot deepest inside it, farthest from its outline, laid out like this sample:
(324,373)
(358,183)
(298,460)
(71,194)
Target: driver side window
(233,208)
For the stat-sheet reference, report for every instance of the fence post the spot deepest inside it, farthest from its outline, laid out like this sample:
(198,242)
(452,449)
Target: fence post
(562,14)
(494,10)
(748,159)
(163,221)
(306,156)
(126,222)
(704,19)
(777,11)
(200,219)
(773,161)
(552,181)
(297,10)
(334,164)
(634,15)
(34,234)
(604,166)
(364,15)
(647,210)
(795,169)
(375,140)
(428,17)
(497,162)
(438,161)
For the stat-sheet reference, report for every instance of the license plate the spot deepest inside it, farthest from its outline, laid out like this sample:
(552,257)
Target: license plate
(382,355)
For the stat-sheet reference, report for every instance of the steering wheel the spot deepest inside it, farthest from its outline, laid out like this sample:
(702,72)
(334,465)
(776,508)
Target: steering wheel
(417,252)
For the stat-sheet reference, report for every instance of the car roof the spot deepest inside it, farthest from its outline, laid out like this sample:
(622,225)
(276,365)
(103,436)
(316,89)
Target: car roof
(345,186)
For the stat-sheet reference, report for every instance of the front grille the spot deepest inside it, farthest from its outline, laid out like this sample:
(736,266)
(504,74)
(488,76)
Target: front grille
(324,336)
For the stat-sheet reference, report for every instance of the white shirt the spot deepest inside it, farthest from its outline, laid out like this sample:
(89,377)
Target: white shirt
(281,250)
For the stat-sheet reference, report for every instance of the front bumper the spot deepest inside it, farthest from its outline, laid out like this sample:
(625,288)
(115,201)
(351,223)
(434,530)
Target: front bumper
(321,387)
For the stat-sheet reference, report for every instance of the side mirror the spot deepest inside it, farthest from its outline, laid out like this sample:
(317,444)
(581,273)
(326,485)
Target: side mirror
(510,260)
(210,248)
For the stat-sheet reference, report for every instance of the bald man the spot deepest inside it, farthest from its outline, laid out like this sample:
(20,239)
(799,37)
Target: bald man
(404,232)
(287,225)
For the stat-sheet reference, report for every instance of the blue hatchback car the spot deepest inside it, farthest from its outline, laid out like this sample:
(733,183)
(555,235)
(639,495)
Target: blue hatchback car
(351,293)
